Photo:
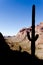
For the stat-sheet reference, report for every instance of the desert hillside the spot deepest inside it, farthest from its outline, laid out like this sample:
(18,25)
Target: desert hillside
(21,40)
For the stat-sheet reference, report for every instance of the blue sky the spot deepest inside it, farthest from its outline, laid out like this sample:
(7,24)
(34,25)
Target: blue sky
(17,14)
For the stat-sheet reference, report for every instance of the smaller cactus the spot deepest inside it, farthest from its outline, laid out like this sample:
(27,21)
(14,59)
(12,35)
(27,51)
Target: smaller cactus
(20,49)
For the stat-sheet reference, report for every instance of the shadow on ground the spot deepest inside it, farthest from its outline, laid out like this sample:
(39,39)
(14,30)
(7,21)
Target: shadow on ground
(15,57)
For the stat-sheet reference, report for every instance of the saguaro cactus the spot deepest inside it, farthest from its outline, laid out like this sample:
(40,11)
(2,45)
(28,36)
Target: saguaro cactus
(33,38)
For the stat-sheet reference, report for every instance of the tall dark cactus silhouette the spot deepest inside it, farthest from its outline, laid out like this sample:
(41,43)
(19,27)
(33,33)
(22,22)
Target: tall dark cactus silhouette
(33,38)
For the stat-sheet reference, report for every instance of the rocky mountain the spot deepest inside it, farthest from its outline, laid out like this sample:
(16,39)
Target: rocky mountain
(21,40)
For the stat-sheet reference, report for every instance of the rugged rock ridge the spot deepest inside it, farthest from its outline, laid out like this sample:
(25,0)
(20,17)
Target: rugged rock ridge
(21,40)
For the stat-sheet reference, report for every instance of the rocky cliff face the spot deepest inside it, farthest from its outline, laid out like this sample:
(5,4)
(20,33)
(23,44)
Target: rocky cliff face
(21,40)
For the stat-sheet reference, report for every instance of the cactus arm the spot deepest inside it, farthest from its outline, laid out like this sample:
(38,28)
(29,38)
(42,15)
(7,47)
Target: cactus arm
(36,37)
(28,36)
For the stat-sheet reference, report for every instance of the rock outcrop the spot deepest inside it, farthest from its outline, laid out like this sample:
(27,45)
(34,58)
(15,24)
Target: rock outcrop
(21,40)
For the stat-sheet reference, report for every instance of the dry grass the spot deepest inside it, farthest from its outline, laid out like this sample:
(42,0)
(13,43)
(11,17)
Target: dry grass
(26,46)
